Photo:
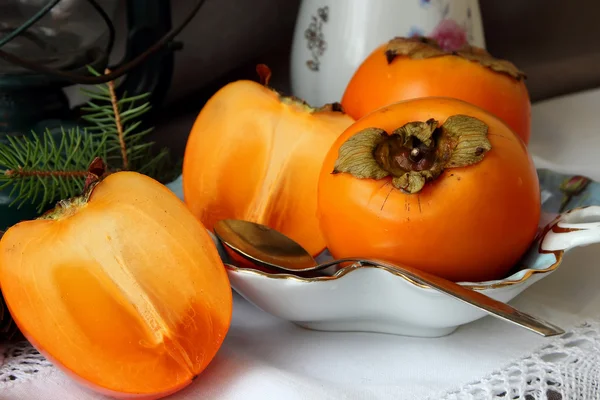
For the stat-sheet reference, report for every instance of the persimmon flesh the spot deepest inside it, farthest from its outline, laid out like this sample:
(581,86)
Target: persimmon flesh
(404,69)
(253,154)
(436,184)
(124,291)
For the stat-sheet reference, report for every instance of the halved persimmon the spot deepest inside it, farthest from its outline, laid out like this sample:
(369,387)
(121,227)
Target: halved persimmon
(124,290)
(435,183)
(254,154)
(407,68)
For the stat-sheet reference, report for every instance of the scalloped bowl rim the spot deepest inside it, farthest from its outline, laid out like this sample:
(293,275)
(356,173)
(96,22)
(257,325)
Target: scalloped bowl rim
(515,279)
(519,277)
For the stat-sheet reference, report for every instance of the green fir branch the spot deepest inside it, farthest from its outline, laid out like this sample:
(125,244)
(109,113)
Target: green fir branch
(42,170)
(118,121)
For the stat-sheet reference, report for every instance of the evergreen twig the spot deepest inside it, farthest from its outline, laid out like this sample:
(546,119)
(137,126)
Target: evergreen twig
(43,169)
(40,171)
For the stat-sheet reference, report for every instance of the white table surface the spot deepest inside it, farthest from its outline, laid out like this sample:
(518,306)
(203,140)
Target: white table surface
(267,358)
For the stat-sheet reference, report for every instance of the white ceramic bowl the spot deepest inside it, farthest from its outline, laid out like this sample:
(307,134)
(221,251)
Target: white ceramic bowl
(371,299)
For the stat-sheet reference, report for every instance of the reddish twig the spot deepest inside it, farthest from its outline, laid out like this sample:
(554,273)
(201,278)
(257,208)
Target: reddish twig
(24,173)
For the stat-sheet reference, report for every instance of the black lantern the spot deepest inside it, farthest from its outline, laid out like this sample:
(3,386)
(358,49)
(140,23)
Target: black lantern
(47,45)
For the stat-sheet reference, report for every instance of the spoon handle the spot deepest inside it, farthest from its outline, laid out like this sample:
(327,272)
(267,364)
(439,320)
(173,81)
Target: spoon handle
(466,295)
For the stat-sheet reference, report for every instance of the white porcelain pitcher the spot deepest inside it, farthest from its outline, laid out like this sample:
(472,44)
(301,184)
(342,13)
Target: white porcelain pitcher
(333,37)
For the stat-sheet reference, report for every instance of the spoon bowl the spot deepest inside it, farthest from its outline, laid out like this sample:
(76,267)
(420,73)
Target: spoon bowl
(264,246)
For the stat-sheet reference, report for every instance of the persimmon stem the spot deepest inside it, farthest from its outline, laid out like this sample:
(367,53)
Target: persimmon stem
(115,105)
(396,157)
(95,172)
(264,73)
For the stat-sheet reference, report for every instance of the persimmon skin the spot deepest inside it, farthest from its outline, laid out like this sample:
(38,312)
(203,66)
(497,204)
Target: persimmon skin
(125,293)
(253,156)
(470,224)
(376,84)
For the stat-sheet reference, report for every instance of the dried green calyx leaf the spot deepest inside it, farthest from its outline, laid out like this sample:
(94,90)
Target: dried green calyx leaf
(331,107)
(296,103)
(467,136)
(419,47)
(303,106)
(415,153)
(410,182)
(484,58)
(356,155)
(422,131)
(416,47)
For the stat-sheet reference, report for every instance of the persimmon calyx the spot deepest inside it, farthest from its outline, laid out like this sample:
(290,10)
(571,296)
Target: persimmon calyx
(331,107)
(264,74)
(302,105)
(416,153)
(97,170)
(416,47)
(420,47)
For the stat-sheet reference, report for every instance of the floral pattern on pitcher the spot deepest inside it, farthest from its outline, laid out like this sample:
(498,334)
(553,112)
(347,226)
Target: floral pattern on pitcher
(332,37)
(449,33)
(315,39)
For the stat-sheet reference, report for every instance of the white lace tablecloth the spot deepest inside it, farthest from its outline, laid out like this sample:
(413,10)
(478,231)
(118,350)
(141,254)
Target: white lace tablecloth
(267,358)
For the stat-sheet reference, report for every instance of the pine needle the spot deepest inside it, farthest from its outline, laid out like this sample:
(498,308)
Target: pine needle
(41,170)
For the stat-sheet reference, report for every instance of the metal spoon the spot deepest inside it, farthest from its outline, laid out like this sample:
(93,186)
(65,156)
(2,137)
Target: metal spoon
(270,248)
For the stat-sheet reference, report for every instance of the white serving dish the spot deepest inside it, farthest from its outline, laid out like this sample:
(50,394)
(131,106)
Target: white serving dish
(371,299)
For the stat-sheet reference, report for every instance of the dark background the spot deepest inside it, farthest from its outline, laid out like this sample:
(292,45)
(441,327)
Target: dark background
(557,43)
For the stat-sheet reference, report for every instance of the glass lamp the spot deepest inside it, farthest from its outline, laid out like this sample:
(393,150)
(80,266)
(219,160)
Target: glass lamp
(63,35)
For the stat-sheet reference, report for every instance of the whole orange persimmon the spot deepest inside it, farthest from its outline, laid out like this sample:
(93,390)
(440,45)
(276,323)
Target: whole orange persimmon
(121,288)
(254,154)
(407,68)
(437,184)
